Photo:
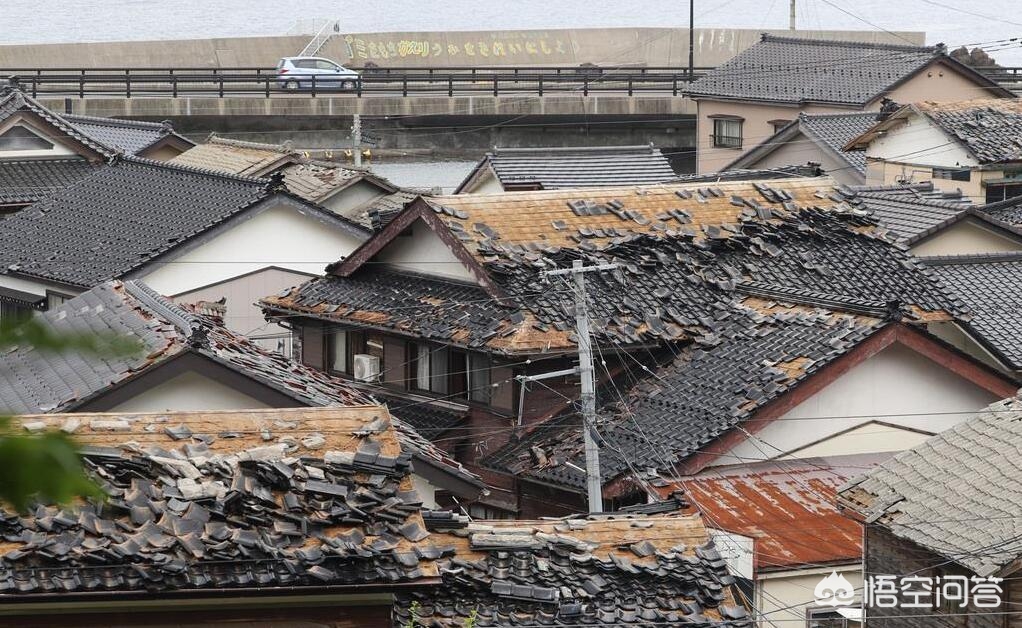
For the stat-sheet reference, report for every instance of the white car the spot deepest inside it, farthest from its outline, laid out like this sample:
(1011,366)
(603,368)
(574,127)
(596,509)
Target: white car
(295,73)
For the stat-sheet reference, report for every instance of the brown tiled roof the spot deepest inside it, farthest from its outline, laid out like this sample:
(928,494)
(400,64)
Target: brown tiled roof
(201,500)
(249,159)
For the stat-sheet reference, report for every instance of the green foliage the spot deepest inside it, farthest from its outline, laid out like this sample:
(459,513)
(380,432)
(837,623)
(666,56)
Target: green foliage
(43,467)
(473,617)
(46,467)
(413,615)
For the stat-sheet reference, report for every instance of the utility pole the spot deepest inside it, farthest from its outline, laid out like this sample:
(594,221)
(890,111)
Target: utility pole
(791,15)
(356,140)
(594,483)
(692,40)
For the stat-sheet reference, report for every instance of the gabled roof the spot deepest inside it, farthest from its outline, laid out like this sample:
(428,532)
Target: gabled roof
(33,381)
(755,174)
(199,501)
(27,181)
(991,287)
(988,128)
(914,212)
(763,357)
(1007,211)
(955,495)
(572,167)
(129,137)
(787,506)
(829,131)
(128,214)
(795,70)
(682,251)
(105,136)
(603,571)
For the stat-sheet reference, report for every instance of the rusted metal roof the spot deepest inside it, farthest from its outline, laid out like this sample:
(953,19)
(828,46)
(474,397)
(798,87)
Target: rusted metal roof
(787,506)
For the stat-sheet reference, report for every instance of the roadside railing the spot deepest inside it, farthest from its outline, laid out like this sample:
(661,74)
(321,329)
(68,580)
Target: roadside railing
(176,82)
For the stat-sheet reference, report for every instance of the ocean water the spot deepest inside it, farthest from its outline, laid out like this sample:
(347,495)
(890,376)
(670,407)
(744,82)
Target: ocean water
(954,22)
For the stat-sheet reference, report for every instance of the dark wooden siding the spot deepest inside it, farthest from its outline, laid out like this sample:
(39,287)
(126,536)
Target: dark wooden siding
(313,345)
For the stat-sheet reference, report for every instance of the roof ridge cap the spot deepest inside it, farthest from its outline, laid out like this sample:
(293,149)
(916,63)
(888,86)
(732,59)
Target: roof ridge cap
(226,141)
(768,37)
(115,121)
(171,165)
(158,304)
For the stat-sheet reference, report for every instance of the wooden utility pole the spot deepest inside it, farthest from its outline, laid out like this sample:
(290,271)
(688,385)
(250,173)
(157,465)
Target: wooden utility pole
(587,376)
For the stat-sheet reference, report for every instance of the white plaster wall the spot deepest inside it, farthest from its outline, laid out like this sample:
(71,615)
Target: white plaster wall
(25,285)
(792,591)
(897,386)
(279,236)
(918,141)
(487,183)
(424,252)
(964,238)
(189,391)
(800,150)
(865,439)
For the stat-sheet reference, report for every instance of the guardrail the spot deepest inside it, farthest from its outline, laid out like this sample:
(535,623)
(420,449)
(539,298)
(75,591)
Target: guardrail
(148,82)
(223,82)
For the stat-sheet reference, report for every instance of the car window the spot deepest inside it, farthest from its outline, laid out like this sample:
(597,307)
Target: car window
(326,65)
(307,64)
(281,63)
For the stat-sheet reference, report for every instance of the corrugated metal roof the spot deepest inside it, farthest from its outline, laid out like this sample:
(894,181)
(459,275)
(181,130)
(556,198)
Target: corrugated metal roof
(787,506)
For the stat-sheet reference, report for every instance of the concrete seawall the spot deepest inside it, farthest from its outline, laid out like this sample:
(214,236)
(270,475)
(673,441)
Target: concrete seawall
(615,46)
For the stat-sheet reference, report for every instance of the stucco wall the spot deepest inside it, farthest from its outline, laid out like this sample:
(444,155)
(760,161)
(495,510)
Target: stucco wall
(279,236)
(186,392)
(424,252)
(964,238)
(755,129)
(897,386)
(784,597)
(352,198)
(243,316)
(800,150)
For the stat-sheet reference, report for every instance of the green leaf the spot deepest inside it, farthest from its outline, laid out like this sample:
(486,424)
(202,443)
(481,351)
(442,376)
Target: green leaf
(42,468)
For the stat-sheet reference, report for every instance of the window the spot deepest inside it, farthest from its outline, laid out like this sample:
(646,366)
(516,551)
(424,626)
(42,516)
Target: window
(828,618)
(779,124)
(1001,191)
(338,358)
(953,174)
(326,65)
(56,299)
(418,359)
(727,132)
(479,377)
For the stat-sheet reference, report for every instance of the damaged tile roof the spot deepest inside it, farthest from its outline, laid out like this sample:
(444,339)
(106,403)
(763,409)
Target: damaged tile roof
(990,129)
(307,178)
(912,212)
(602,571)
(573,167)
(758,350)
(989,286)
(786,506)
(129,137)
(959,494)
(247,159)
(835,130)
(125,215)
(682,251)
(1008,210)
(34,381)
(26,181)
(796,70)
(198,500)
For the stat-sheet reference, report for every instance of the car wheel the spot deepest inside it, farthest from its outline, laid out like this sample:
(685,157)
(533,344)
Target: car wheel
(291,85)
(348,85)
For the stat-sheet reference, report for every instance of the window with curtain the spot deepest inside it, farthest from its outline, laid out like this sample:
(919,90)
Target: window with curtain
(419,373)
(727,133)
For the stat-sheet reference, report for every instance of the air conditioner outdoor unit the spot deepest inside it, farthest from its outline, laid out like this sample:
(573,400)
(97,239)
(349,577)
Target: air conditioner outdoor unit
(366,367)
